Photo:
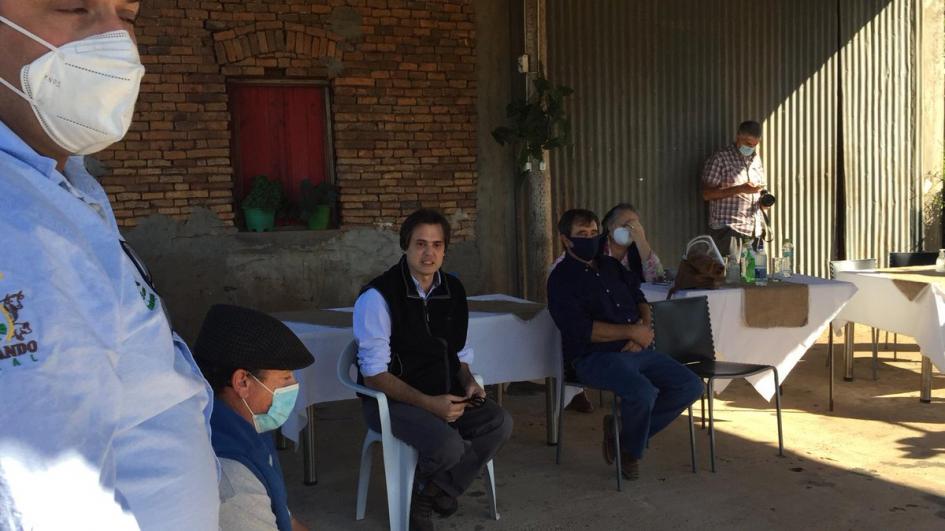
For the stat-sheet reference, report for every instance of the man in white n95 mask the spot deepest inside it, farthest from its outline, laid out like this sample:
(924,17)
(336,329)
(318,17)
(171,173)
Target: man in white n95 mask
(93,378)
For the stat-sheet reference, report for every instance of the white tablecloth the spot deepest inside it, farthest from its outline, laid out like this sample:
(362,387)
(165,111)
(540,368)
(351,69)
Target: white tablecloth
(880,304)
(780,347)
(506,348)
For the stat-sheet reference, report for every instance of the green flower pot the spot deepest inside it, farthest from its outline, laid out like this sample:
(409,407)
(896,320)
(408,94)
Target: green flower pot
(259,220)
(319,219)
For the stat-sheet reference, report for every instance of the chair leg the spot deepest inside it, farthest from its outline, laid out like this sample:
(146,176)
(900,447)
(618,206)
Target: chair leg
(874,335)
(400,462)
(364,477)
(692,441)
(617,450)
(490,490)
(560,423)
(711,427)
(702,400)
(895,346)
(777,403)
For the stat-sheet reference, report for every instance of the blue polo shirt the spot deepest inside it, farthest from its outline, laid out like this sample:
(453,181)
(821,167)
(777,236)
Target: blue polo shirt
(579,294)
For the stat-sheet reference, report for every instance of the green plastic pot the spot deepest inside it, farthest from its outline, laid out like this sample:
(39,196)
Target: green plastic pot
(320,217)
(259,220)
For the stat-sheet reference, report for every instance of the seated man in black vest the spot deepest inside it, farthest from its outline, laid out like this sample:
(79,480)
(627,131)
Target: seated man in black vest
(410,324)
(248,358)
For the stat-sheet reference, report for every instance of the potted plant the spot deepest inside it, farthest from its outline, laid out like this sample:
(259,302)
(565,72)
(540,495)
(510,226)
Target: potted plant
(315,202)
(536,124)
(261,203)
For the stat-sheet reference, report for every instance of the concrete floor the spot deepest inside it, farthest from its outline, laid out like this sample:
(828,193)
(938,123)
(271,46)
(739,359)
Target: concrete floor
(876,462)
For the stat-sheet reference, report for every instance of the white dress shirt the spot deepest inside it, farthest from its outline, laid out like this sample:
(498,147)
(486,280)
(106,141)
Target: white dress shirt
(372,329)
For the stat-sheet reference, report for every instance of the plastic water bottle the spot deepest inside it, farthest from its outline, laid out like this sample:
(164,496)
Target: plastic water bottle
(761,265)
(787,254)
(940,261)
(733,270)
(748,265)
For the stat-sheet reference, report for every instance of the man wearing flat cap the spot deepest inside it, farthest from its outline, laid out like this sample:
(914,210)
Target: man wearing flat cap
(248,358)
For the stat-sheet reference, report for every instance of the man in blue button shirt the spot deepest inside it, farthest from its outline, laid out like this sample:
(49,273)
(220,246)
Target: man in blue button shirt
(105,423)
(607,340)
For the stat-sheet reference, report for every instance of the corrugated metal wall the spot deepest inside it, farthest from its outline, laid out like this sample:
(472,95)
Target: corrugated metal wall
(878,68)
(661,84)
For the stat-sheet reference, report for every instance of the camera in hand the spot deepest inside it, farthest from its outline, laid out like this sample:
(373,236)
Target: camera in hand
(766,199)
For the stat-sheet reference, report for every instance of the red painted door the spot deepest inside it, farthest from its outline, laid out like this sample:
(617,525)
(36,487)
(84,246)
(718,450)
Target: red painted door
(278,131)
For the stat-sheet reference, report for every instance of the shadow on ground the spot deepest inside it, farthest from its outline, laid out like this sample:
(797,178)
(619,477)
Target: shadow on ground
(875,463)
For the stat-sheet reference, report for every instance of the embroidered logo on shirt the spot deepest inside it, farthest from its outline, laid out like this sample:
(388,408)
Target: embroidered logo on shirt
(149,298)
(14,332)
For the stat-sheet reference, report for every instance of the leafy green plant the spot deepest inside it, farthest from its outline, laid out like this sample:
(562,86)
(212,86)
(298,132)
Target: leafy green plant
(314,195)
(264,195)
(536,123)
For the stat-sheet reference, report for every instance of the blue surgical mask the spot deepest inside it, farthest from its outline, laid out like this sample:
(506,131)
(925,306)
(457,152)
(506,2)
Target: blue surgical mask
(283,402)
(585,248)
(746,150)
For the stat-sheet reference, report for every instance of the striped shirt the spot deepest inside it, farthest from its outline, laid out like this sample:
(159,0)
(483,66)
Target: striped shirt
(742,212)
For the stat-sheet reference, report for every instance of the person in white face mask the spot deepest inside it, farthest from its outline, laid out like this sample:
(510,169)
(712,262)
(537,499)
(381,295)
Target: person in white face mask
(733,179)
(92,375)
(627,242)
(248,358)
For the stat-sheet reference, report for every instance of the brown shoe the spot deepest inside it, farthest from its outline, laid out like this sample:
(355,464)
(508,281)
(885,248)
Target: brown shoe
(629,467)
(581,404)
(608,445)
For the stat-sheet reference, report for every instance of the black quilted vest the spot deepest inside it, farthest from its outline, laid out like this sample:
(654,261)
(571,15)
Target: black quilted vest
(426,335)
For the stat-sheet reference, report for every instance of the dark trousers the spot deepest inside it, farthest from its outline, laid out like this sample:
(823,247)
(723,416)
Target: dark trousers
(450,455)
(653,389)
(723,239)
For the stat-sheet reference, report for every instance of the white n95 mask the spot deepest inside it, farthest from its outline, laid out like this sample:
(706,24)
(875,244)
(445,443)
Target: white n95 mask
(83,93)
(622,236)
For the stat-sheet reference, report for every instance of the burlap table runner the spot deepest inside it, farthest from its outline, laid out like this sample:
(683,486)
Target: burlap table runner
(523,310)
(784,304)
(912,280)
(330,318)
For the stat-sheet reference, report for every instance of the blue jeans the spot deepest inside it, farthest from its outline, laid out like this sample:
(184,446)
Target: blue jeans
(653,389)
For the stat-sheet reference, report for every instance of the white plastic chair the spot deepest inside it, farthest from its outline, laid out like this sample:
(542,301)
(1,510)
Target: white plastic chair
(400,459)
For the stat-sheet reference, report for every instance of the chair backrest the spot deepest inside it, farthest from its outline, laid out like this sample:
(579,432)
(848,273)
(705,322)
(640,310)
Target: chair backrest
(345,361)
(912,259)
(683,329)
(837,266)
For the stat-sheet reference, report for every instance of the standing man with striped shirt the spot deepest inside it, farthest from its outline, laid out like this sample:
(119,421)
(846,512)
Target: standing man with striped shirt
(732,181)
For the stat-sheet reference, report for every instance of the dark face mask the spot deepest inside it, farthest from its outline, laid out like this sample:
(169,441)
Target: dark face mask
(585,248)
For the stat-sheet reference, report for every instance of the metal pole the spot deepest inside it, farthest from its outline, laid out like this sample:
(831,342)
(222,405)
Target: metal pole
(925,389)
(830,367)
(308,448)
(551,419)
(848,344)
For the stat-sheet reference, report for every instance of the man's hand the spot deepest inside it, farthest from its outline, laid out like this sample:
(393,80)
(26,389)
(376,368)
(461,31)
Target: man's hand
(447,407)
(298,526)
(642,334)
(474,389)
(749,188)
(631,346)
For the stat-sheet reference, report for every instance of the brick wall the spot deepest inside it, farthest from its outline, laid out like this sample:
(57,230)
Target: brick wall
(402,80)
